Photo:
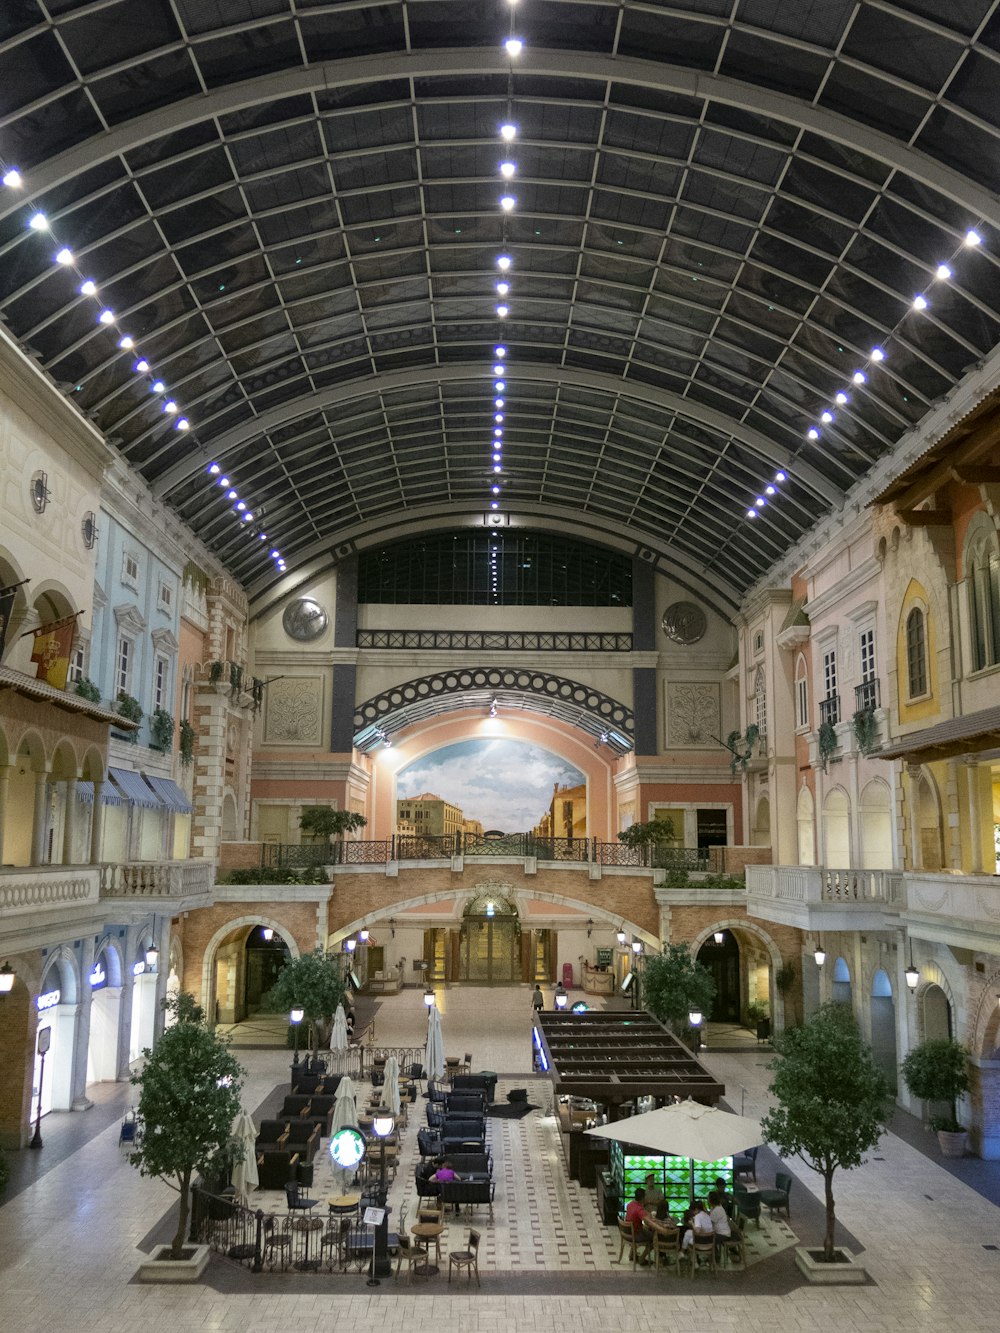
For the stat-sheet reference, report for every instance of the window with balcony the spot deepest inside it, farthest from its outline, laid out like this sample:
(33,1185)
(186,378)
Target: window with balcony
(829,708)
(916,653)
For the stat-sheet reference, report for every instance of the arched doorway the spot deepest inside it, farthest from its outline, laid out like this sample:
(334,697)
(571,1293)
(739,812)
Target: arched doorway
(761,833)
(805,820)
(883,1012)
(57,1003)
(837,830)
(266,954)
(840,989)
(722,959)
(143,1029)
(490,941)
(876,827)
(105,1016)
(936,1013)
(929,817)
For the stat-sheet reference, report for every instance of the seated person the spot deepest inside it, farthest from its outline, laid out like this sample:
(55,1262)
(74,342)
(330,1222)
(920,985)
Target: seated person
(446,1172)
(700,1224)
(725,1198)
(721,1225)
(635,1215)
(654,1195)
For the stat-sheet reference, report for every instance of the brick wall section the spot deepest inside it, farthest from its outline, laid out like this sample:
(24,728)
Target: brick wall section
(239,855)
(298,918)
(734,860)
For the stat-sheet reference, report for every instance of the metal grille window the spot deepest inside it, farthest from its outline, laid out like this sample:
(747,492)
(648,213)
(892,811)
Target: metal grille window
(867,654)
(495,569)
(916,653)
(123,665)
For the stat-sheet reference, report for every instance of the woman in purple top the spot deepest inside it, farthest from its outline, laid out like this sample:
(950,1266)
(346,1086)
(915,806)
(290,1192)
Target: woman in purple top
(445,1172)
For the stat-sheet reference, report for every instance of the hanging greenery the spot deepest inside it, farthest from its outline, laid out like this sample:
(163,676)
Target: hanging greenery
(186,746)
(741,747)
(235,678)
(828,742)
(215,670)
(161,730)
(86,689)
(865,729)
(127,707)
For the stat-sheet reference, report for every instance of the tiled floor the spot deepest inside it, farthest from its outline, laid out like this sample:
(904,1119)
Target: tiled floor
(68,1242)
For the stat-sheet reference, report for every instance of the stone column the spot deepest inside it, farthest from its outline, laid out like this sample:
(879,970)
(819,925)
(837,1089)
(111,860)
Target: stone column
(69,822)
(38,828)
(913,801)
(79,1101)
(4,789)
(95,826)
(976,866)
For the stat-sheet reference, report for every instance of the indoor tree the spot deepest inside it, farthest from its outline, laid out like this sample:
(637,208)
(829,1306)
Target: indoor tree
(323,822)
(674,984)
(313,983)
(189,1096)
(833,1101)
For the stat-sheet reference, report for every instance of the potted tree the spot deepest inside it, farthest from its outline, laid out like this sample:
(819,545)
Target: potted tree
(313,983)
(938,1071)
(833,1103)
(759,1018)
(322,822)
(189,1096)
(674,984)
(654,836)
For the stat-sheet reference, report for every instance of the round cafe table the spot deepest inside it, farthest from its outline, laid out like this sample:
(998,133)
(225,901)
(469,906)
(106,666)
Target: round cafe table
(342,1204)
(307,1225)
(428,1232)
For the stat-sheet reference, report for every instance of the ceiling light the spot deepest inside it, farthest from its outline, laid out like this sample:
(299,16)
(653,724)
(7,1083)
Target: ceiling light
(141,366)
(497,457)
(498,402)
(170,406)
(223,481)
(507,203)
(13,178)
(498,370)
(64,256)
(769,490)
(780,476)
(841,398)
(503,288)
(760,501)
(812,433)
(507,169)
(38,222)
(503,311)
(513,46)
(88,288)
(826,417)
(499,386)
(751,513)
(232,495)
(248,516)
(106,317)
(126,343)
(241,505)
(877,354)
(501,352)
(275,555)
(509,132)
(859,377)
(497,432)
(971,237)
(920,302)
(159,386)
(214,469)
(942,272)
(495,490)
(503,263)
(494,505)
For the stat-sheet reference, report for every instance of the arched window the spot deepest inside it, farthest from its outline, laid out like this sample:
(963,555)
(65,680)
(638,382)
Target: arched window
(805,822)
(760,704)
(983,583)
(801,693)
(916,653)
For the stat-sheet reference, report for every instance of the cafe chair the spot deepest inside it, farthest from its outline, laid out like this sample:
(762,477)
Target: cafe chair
(702,1253)
(410,1253)
(745,1164)
(626,1237)
(732,1249)
(747,1205)
(467,1258)
(275,1243)
(777,1198)
(295,1199)
(466,1065)
(667,1248)
(129,1136)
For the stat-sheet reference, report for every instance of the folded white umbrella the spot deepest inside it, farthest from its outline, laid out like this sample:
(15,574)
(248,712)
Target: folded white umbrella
(345,1116)
(434,1050)
(245,1177)
(390,1090)
(338,1034)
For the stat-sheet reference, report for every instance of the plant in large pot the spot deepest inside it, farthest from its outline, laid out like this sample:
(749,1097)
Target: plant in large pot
(189,1096)
(323,822)
(648,838)
(832,1106)
(313,983)
(938,1071)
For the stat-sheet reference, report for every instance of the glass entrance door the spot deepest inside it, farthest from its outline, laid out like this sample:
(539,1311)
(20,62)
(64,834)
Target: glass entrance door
(491,950)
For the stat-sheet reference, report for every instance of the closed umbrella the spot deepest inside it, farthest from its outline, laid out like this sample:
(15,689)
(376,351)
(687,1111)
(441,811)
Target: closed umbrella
(434,1050)
(390,1091)
(245,1177)
(345,1116)
(338,1035)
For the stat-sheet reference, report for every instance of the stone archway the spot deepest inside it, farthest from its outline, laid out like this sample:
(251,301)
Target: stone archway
(751,984)
(209,957)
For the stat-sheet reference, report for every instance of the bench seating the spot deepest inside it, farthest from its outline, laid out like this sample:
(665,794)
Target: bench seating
(474,1164)
(474,1193)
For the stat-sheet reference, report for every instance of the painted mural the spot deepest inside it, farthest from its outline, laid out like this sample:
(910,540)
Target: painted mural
(498,783)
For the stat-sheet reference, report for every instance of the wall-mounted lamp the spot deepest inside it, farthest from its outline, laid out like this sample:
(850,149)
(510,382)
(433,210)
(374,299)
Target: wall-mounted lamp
(363,934)
(493,707)
(637,946)
(7,978)
(819,953)
(911,974)
(39,489)
(152,955)
(429,998)
(267,933)
(392,926)
(590,926)
(720,935)
(620,935)
(351,944)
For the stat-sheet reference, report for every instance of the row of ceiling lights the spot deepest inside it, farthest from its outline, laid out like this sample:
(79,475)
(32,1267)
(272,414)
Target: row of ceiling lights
(65,258)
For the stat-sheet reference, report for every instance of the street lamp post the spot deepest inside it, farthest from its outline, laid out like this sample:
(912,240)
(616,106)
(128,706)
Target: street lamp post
(382,1127)
(695,1018)
(296,1017)
(44,1039)
(636,974)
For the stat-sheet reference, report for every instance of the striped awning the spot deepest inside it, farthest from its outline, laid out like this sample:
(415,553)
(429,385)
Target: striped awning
(135,789)
(109,796)
(170,794)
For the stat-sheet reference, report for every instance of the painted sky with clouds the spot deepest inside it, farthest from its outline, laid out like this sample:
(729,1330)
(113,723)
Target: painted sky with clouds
(506,784)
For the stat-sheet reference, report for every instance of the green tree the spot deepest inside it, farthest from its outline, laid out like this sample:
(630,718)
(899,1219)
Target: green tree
(938,1071)
(189,1096)
(649,834)
(322,822)
(313,983)
(674,983)
(833,1101)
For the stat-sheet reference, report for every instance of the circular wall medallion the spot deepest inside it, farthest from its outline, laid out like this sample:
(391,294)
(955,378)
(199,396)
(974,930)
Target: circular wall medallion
(684,622)
(304,620)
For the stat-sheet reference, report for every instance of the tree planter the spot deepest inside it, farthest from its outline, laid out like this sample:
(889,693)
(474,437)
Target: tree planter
(844,1268)
(952,1143)
(159,1267)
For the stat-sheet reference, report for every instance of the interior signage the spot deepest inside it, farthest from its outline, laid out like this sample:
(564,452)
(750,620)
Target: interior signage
(98,977)
(48,1001)
(138,969)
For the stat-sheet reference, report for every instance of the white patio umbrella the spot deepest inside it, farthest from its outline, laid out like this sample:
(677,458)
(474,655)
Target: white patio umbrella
(345,1116)
(390,1090)
(686,1129)
(434,1050)
(245,1177)
(338,1033)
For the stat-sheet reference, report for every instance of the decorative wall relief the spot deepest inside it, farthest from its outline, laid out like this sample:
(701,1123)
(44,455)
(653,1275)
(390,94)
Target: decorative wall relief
(693,715)
(294,711)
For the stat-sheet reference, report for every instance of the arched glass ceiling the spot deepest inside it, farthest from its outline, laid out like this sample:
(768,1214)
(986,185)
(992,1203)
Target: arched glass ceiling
(293,209)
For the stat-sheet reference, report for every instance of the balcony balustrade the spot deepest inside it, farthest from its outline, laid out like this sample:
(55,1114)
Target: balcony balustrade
(157,879)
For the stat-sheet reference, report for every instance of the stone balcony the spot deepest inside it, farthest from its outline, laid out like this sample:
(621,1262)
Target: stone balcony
(173,881)
(30,890)
(962,911)
(816,898)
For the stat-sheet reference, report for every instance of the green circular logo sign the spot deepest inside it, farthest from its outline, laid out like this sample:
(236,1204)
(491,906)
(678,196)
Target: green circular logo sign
(347,1147)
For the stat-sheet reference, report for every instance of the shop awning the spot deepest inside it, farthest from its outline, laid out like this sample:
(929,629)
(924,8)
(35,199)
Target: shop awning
(109,796)
(135,790)
(170,794)
(969,734)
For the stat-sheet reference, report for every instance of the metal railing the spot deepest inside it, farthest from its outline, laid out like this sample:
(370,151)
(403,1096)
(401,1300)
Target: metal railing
(307,855)
(423,847)
(659,858)
(829,710)
(866,695)
(430,847)
(495,640)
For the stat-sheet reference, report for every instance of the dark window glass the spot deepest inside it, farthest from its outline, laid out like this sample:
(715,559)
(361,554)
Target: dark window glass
(916,653)
(495,569)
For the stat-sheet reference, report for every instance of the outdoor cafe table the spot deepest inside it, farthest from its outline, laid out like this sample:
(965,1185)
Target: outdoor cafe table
(429,1231)
(306,1225)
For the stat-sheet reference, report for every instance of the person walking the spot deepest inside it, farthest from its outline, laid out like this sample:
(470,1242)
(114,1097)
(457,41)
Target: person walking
(537,1000)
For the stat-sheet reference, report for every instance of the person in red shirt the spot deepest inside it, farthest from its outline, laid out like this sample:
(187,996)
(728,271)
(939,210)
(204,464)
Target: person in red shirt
(635,1214)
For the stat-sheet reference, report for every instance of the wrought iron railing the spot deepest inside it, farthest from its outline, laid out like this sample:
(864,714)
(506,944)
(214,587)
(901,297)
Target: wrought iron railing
(429,847)
(424,847)
(829,710)
(495,641)
(658,857)
(308,854)
(558,849)
(866,695)
(508,844)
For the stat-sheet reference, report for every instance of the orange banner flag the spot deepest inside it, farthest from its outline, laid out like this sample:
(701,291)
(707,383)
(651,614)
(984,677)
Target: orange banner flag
(53,649)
